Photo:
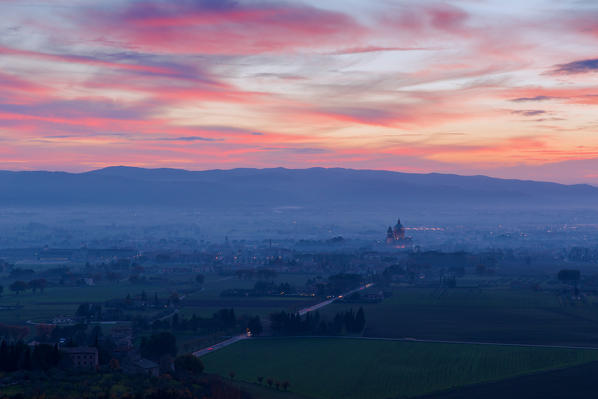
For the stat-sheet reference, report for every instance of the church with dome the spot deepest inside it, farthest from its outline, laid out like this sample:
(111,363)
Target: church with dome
(396,235)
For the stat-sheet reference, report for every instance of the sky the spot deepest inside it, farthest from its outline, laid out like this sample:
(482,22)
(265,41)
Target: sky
(500,87)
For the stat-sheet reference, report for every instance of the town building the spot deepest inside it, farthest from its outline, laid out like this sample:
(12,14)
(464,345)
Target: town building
(80,357)
(145,366)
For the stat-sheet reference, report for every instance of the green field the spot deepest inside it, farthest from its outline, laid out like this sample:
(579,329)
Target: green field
(201,300)
(333,368)
(488,315)
(64,300)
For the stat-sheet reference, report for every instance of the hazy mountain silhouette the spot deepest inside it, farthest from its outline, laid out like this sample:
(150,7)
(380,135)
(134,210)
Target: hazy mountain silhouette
(315,187)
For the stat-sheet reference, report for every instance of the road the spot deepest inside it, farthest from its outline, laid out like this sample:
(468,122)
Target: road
(301,312)
(220,345)
(168,315)
(329,301)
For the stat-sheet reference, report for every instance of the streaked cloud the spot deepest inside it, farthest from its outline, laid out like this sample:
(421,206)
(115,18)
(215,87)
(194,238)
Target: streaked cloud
(536,98)
(189,138)
(529,112)
(581,66)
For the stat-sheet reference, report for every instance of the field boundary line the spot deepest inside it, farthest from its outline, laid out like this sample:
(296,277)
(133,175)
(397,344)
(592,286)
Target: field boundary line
(432,341)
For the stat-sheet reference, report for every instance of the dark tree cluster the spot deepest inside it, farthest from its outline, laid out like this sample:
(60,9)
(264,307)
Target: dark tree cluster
(272,382)
(571,276)
(284,323)
(353,322)
(221,320)
(13,333)
(37,284)
(261,288)
(34,285)
(101,385)
(158,345)
(141,301)
(188,365)
(19,356)
(254,325)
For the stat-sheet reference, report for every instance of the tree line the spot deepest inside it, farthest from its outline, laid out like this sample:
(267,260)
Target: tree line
(15,356)
(187,381)
(220,320)
(284,323)
(20,286)
(261,288)
(13,333)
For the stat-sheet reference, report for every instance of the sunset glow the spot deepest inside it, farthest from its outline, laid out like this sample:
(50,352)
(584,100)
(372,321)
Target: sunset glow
(503,88)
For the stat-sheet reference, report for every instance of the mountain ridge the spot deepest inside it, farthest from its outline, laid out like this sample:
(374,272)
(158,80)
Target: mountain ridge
(311,187)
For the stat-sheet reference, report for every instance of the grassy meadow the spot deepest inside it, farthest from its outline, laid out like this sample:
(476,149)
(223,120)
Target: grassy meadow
(369,369)
(488,315)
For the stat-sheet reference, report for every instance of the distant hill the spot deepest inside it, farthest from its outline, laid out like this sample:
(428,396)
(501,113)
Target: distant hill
(250,188)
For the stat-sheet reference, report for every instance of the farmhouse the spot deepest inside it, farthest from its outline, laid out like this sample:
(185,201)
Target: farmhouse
(80,357)
(145,366)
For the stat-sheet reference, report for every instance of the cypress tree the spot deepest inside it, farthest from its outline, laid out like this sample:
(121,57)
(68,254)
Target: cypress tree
(360,320)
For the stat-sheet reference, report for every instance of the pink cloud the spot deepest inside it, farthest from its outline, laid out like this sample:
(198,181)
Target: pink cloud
(18,90)
(190,27)
(421,21)
(584,23)
(67,58)
(572,95)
